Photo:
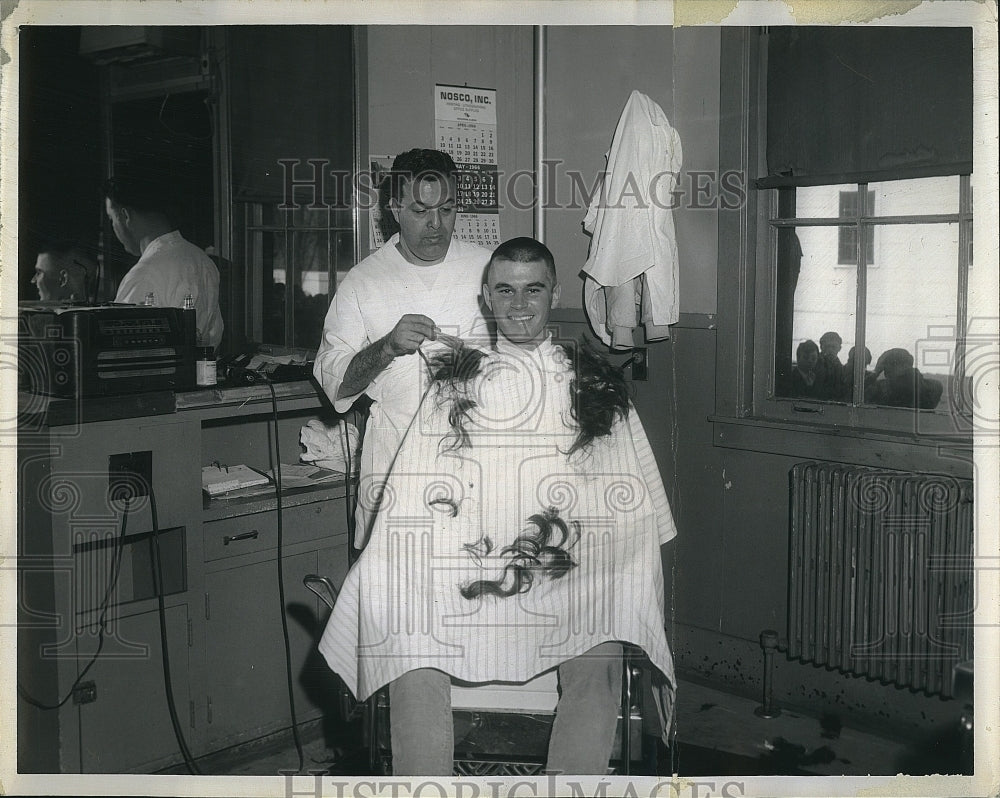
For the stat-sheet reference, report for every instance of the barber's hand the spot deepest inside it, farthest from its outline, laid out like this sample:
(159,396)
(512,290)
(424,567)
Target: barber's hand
(410,331)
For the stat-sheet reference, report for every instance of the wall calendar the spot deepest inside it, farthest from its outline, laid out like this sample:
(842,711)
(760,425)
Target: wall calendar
(465,127)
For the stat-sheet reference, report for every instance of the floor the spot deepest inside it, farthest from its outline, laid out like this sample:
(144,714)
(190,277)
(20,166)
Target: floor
(718,734)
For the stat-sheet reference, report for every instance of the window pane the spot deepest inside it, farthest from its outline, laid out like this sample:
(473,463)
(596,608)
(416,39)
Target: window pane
(272,254)
(825,201)
(304,216)
(816,307)
(911,315)
(270,216)
(343,253)
(312,257)
(847,238)
(915,197)
(298,265)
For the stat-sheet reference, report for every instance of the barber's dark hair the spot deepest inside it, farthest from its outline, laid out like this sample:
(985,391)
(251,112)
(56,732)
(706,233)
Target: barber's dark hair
(524,250)
(140,193)
(419,163)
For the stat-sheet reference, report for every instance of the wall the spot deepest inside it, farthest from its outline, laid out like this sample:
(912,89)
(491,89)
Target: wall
(404,62)
(590,72)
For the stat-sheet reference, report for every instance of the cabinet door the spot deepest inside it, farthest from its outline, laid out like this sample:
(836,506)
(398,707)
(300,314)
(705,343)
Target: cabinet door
(127,727)
(245,690)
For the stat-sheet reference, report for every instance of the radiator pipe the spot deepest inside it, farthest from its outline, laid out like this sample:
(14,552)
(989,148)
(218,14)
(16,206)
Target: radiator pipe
(768,642)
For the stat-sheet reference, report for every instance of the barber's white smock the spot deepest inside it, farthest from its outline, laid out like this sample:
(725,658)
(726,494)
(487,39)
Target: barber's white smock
(372,297)
(171,268)
(400,607)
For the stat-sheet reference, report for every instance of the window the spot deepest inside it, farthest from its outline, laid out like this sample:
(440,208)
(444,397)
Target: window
(295,258)
(857,235)
(906,313)
(291,155)
(847,235)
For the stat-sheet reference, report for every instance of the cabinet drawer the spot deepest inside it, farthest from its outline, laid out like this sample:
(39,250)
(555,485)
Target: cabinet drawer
(231,537)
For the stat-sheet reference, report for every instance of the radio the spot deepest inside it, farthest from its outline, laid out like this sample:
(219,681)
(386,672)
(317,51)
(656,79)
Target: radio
(73,351)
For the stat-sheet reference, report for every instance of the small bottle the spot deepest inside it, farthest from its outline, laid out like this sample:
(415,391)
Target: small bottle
(205,371)
(189,302)
(150,299)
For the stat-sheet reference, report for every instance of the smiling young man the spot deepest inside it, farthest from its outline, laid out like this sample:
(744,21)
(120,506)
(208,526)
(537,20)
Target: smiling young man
(525,489)
(520,290)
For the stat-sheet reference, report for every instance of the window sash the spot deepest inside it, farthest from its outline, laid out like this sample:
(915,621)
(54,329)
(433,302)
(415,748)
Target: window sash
(771,221)
(256,229)
(847,238)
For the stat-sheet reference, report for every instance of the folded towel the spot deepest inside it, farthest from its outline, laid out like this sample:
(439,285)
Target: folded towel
(333,447)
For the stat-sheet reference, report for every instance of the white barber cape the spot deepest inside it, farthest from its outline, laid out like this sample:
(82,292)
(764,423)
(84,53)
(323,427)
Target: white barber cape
(446,515)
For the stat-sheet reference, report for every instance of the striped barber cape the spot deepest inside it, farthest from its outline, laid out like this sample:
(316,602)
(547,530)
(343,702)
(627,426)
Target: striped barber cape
(457,512)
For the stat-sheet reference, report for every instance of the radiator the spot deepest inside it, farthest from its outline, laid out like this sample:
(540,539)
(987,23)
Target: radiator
(880,573)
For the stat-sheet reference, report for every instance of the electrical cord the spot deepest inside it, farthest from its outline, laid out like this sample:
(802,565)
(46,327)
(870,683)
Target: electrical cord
(156,566)
(281,580)
(349,505)
(101,621)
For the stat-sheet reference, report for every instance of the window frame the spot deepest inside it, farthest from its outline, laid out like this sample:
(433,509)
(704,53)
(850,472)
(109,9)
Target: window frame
(847,245)
(854,413)
(748,297)
(252,231)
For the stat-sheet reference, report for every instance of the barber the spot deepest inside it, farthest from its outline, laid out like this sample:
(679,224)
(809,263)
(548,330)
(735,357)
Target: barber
(420,284)
(170,267)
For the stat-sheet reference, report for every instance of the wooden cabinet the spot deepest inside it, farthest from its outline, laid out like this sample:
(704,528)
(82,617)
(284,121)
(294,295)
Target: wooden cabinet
(222,611)
(127,727)
(245,693)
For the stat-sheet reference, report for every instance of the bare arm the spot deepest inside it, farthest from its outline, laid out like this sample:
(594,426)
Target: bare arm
(364,367)
(410,331)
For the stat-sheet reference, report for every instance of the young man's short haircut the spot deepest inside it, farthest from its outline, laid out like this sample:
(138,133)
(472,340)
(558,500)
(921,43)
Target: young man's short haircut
(432,164)
(524,250)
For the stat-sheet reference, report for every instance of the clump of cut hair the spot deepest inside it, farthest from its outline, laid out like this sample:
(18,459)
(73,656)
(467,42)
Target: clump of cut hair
(453,370)
(542,552)
(599,395)
(598,391)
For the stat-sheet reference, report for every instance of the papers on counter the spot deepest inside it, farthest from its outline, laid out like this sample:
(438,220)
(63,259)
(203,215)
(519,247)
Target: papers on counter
(217,479)
(302,475)
(241,480)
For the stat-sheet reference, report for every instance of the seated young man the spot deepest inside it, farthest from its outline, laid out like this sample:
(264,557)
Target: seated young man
(519,531)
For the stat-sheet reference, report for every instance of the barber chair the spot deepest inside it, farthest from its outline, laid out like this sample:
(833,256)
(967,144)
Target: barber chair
(500,729)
